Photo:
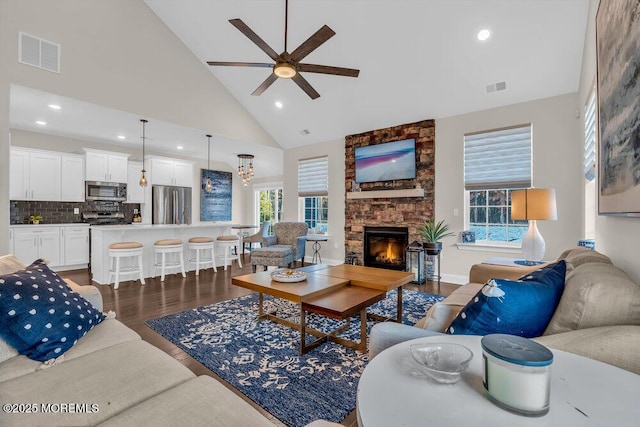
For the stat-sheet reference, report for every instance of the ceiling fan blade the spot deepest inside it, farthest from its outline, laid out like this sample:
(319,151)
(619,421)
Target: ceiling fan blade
(265,85)
(312,43)
(305,86)
(244,29)
(241,64)
(326,69)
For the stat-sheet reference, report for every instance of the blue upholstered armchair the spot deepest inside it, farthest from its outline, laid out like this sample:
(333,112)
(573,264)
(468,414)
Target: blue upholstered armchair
(289,234)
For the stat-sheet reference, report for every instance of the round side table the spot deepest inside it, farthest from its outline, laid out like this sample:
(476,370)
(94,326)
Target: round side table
(393,390)
(316,239)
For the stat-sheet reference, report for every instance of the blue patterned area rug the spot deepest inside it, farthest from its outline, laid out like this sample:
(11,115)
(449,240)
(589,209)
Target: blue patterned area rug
(260,358)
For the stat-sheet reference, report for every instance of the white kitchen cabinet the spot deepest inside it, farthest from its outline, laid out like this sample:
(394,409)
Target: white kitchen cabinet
(106,166)
(76,245)
(171,172)
(35,175)
(72,178)
(135,193)
(31,243)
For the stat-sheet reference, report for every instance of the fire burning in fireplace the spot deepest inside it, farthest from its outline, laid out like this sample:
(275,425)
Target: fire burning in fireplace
(385,246)
(390,255)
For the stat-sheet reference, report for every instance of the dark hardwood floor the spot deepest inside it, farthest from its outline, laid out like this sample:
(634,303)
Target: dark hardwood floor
(134,304)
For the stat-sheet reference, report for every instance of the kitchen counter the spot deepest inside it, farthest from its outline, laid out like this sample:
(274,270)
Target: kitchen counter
(140,226)
(66,224)
(104,235)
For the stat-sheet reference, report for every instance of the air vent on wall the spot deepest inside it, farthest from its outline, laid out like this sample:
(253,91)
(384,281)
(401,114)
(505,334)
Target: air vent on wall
(38,53)
(495,87)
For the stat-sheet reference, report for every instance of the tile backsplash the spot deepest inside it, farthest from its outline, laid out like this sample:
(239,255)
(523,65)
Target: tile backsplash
(61,212)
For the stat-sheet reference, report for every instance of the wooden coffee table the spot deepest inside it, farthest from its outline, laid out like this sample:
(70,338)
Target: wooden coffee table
(338,292)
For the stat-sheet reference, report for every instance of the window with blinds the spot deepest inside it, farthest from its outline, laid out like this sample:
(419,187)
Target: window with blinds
(590,137)
(498,159)
(313,177)
(496,162)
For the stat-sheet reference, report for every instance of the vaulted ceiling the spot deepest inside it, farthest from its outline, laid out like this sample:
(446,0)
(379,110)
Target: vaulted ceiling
(418,59)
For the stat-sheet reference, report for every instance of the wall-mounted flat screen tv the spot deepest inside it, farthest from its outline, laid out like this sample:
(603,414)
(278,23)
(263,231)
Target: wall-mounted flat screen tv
(386,162)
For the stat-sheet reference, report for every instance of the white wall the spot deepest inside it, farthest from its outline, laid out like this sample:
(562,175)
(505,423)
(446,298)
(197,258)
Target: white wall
(4,131)
(120,55)
(333,250)
(557,163)
(617,237)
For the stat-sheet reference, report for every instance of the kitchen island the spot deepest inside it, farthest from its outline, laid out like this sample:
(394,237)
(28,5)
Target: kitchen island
(104,235)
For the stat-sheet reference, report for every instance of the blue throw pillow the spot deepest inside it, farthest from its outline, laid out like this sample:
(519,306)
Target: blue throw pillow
(521,307)
(40,315)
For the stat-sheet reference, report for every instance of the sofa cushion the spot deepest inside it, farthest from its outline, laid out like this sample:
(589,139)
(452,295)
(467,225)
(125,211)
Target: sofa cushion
(596,294)
(40,315)
(517,307)
(115,379)
(108,333)
(615,345)
(441,314)
(201,401)
(9,264)
(579,255)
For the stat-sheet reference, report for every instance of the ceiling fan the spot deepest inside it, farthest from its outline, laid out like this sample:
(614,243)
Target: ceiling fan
(287,65)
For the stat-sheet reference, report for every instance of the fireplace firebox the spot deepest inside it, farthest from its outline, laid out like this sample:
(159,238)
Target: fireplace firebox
(384,247)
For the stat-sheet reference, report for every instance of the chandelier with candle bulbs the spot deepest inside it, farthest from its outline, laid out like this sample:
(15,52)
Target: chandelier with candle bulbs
(245,167)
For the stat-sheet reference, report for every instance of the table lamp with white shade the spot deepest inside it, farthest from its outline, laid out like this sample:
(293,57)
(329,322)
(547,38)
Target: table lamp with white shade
(533,204)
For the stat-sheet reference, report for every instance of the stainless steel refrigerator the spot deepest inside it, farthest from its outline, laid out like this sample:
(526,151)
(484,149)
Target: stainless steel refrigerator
(171,205)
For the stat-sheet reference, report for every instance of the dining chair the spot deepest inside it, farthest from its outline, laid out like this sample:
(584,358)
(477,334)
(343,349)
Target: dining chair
(258,237)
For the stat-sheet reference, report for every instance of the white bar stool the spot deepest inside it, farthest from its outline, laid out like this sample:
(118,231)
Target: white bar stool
(203,244)
(120,250)
(164,247)
(225,243)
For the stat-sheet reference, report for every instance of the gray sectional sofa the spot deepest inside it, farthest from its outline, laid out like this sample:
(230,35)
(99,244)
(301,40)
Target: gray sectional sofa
(111,377)
(598,315)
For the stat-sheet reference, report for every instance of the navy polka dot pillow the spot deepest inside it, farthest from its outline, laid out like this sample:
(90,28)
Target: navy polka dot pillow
(40,315)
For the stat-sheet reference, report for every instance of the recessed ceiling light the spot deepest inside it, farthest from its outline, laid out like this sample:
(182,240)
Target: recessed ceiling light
(278,104)
(41,123)
(54,106)
(179,147)
(483,35)
(122,137)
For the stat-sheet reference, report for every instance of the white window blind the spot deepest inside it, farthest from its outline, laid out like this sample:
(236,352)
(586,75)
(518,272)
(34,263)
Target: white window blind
(313,177)
(590,137)
(498,159)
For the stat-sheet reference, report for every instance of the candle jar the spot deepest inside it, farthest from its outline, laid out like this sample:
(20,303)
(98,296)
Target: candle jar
(517,373)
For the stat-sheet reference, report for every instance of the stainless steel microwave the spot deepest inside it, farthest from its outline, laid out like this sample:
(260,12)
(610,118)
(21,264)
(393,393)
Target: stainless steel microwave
(99,190)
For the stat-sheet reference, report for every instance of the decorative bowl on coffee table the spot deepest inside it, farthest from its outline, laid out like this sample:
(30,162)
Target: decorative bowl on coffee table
(288,275)
(444,362)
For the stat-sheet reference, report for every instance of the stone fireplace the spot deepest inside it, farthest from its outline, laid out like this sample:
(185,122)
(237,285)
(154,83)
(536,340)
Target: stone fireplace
(384,247)
(389,211)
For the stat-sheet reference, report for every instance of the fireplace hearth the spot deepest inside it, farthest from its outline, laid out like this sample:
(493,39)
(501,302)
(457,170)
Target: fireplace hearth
(384,247)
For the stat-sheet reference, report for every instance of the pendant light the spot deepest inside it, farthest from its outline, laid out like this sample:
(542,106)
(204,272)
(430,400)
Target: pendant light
(143,178)
(245,168)
(208,186)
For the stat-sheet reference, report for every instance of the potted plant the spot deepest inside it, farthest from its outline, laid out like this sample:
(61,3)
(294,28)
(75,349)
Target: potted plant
(35,219)
(431,232)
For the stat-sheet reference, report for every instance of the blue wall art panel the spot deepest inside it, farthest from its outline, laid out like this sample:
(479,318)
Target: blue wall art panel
(216,205)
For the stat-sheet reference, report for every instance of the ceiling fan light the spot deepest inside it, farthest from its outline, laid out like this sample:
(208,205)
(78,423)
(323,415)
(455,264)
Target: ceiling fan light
(284,70)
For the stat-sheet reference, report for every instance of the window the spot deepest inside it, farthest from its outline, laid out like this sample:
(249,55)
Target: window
(316,214)
(268,205)
(590,137)
(490,216)
(496,162)
(590,132)
(313,191)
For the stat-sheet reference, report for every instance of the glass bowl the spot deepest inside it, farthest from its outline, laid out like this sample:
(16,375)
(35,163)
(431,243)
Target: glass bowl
(444,362)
